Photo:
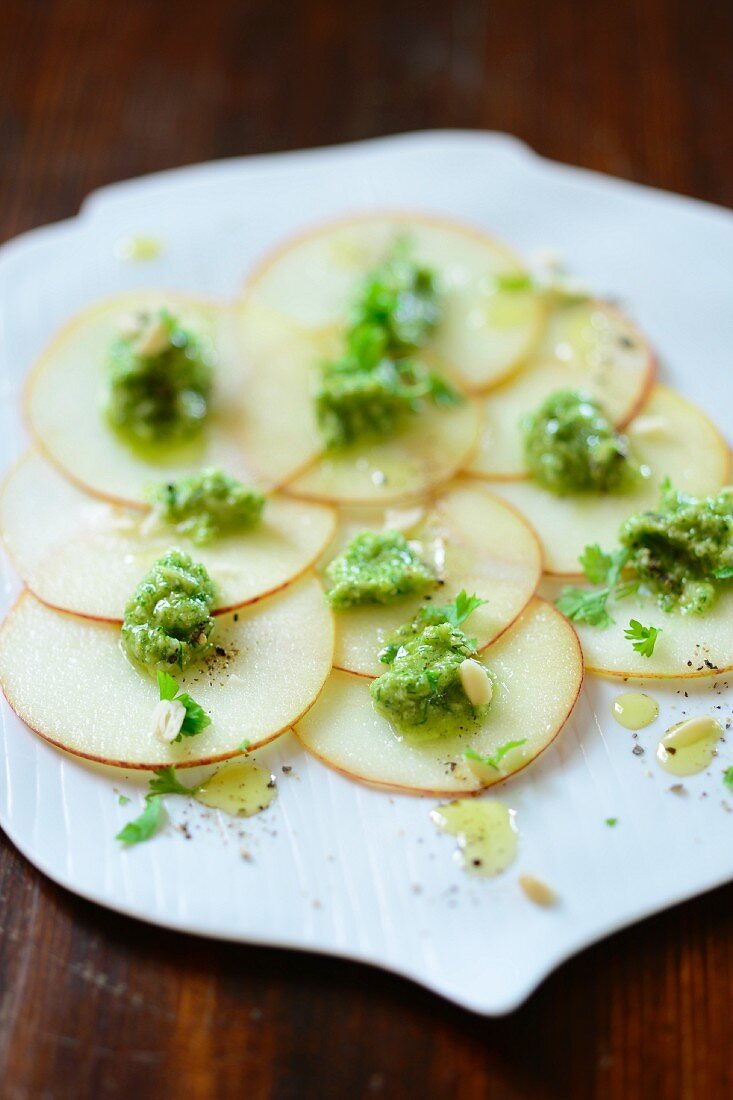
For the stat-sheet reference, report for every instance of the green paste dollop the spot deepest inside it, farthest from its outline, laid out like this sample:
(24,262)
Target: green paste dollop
(683,552)
(377,380)
(168,618)
(207,505)
(421,692)
(570,446)
(399,306)
(376,568)
(159,380)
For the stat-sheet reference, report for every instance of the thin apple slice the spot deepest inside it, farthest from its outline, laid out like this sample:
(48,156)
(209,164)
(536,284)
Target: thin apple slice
(260,426)
(430,449)
(476,543)
(538,671)
(68,679)
(587,346)
(84,555)
(485,333)
(671,437)
(688,646)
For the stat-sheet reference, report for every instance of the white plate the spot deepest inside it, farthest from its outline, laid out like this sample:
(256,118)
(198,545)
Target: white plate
(335,867)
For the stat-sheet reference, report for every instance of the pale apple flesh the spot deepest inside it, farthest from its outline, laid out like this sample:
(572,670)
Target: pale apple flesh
(84,555)
(687,646)
(538,672)
(69,680)
(429,449)
(260,426)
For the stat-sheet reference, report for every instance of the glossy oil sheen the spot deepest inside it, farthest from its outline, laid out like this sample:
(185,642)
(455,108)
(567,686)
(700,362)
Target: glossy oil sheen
(634,710)
(485,831)
(241,789)
(689,747)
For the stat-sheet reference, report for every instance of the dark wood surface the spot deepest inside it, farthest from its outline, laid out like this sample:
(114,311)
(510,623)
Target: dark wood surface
(94,1005)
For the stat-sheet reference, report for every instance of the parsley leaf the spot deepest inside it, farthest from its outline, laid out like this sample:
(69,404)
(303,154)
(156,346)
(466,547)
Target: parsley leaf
(642,638)
(167,685)
(122,799)
(456,612)
(602,568)
(514,280)
(724,574)
(244,745)
(196,718)
(584,606)
(165,781)
(611,821)
(728,778)
(495,760)
(144,826)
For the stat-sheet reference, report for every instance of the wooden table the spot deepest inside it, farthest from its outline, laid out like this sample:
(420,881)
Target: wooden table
(94,1005)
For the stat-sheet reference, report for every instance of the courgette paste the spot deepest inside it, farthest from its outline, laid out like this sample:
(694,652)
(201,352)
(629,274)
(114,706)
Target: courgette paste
(159,380)
(423,692)
(570,446)
(681,554)
(377,380)
(376,567)
(168,618)
(207,505)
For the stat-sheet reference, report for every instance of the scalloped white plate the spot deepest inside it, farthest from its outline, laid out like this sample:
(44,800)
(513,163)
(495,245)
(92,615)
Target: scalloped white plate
(331,866)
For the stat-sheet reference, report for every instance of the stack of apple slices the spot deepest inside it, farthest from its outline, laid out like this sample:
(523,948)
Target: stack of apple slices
(75,524)
(509,350)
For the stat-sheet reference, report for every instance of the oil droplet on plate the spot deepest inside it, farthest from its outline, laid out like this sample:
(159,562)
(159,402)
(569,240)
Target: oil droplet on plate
(485,831)
(138,249)
(634,710)
(689,747)
(241,789)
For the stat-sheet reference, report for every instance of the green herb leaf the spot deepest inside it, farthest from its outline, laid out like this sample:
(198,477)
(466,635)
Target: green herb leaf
(728,778)
(611,821)
(440,392)
(582,605)
(244,745)
(196,718)
(642,638)
(602,568)
(595,563)
(464,605)
(513,280)
(724,574)
(144,826)
(495,760)
(122,799)
(167,685)
(165,781)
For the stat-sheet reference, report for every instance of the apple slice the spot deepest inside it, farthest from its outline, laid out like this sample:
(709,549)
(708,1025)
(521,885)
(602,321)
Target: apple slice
(84,555)
(475,542)
(538,672)
(671,437)
(688,646)
(485,333)
(68,679)
(431,447)
(587,346)
(260,427)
